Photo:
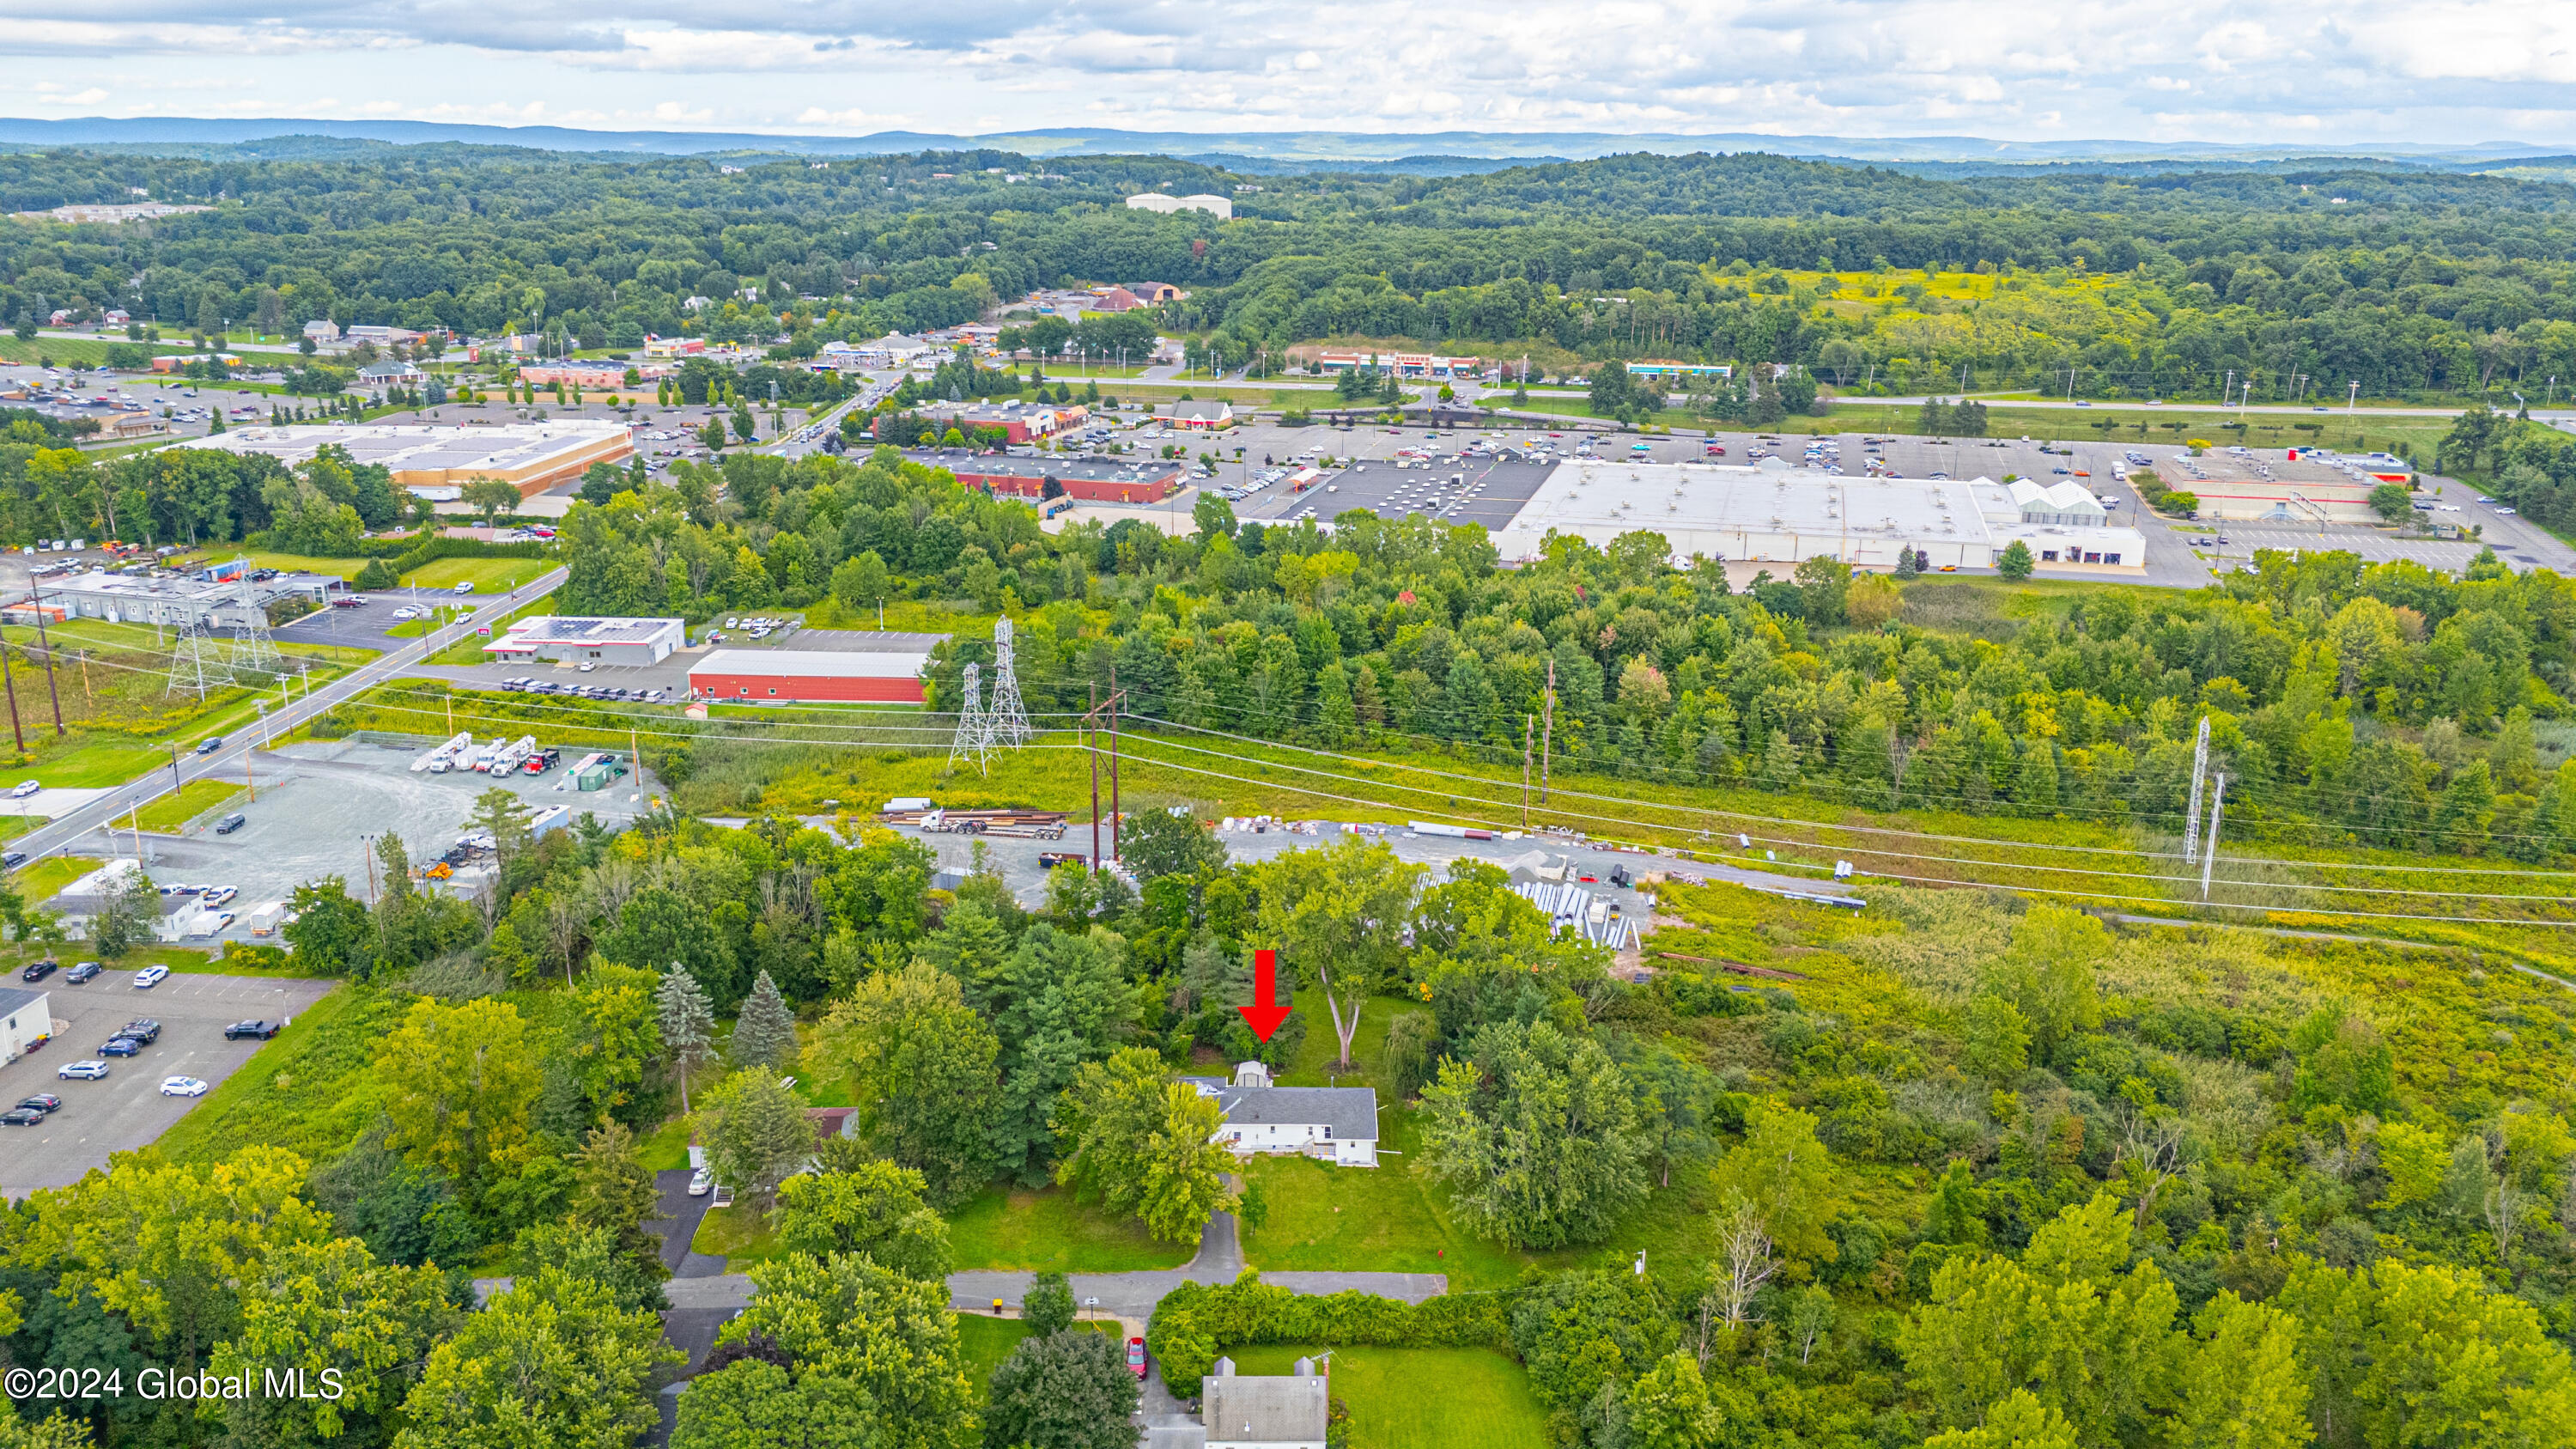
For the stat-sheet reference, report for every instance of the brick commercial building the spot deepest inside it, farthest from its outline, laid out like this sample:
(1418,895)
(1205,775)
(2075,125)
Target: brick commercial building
(783,676)
(1017,422)
(1148,480)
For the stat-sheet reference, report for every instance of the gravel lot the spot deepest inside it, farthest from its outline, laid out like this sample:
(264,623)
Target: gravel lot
(127,1110)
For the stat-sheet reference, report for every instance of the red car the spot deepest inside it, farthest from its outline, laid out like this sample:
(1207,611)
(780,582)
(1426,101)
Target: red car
(1136,1356)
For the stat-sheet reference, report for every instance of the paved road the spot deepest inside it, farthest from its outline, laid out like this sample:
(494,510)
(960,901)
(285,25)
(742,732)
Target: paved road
(233,757)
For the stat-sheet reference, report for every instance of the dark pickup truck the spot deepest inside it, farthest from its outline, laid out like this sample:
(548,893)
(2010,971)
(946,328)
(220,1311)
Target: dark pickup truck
(262,1030)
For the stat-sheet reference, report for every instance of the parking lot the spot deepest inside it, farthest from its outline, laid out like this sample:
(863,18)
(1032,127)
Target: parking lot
(127,1110)
(330,799)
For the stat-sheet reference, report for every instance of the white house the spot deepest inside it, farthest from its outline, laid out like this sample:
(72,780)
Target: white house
(1335,1123)
(1265,1411)
(323,330)
(25,1016)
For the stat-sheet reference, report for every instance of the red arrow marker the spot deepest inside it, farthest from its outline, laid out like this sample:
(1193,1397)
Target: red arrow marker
(1264,1018)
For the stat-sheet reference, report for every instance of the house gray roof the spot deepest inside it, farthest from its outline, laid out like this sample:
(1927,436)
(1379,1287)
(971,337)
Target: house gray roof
(1213,408)
(1350,1111)
(14,999)
(1259,1409)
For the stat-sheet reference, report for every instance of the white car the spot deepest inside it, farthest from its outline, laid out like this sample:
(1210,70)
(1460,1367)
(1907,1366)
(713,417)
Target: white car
(406,612)
(25,789)
(702,1182)
(150,976)
(182,1087)
(463,588)
(221,894)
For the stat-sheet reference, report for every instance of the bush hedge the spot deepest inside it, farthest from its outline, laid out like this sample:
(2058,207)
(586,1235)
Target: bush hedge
(1194,1321)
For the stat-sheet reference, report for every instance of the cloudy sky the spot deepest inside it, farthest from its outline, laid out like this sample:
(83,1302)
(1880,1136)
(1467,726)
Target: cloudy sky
(2258,71)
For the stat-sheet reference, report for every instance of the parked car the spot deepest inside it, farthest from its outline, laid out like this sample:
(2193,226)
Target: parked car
(182,1087)
(41,1102)
(149,977)
(463,588)
(406,612)
(25,788)
(701,1182)
(221,894)
(231,823)
(38,971)
(1136,1357)
(83,1072)
(121,1046)
(85,971)
(262,1030)
(142,1028)
(21,1117)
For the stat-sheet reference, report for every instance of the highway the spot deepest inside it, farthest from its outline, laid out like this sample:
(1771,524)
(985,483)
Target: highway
(233,757)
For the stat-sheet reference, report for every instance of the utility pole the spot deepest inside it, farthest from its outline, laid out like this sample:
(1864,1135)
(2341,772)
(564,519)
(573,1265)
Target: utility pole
(2217,807)
(367,848)
(1115,696)
(1547,731)
(1091,749)
(1526,722)
(11,683)
(47,644)
(176,783)
(2191,812)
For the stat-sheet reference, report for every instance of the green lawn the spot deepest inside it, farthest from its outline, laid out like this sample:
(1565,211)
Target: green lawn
(1389,1218)
(1318,1059)
(45,879)
(1017,1228)
(1394,1218)
(438,616)
(986,1341)
(738,1234)
(487,575)
(170,812)
(1419,1398)
(668,1146)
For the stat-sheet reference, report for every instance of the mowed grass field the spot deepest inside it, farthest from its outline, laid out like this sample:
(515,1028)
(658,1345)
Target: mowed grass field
(172,811)
(1419,1398)
(1046,1229)
(985,1341)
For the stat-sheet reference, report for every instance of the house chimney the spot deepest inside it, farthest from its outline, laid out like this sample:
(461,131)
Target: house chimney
(1305,1368)
(1225,1368)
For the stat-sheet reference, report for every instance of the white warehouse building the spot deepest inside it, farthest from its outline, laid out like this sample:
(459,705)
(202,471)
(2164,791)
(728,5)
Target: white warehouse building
(1771,512)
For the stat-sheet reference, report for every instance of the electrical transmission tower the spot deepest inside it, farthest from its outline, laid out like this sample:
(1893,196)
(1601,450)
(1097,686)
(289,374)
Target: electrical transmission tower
(193,664)
(255,659)
(1006,724)
(972,741)
(2191,815)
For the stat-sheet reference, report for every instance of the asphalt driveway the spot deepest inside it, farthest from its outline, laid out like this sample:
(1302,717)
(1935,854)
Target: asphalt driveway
(127,1110)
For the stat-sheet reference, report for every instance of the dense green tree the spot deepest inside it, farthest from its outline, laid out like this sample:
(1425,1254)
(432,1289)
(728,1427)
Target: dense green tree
(1141,1143)
(1537,1135)
(553,1360)
(890,1335)
(875,1208)
(1063,1391)
(922,1069)
(756,1133)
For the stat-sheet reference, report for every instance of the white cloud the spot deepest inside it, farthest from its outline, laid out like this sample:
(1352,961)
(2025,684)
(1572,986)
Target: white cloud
(2375,69)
